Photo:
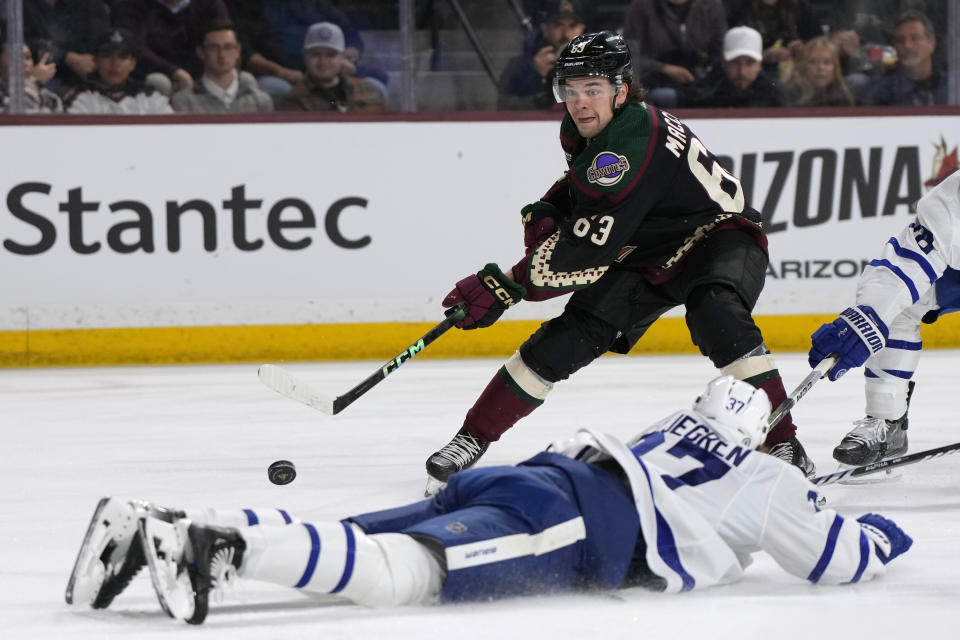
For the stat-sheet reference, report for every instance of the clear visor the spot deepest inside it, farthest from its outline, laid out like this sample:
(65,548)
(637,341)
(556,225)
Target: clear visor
(590,88)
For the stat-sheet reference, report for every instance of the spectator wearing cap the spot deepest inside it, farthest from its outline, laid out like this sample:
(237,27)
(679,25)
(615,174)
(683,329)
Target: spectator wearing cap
(916,81)
(222,87)
(325,85)
(784,26)
(273,32)
(167,33)
(527,80)
(740,81)
(674,43)
(111,88)
(817,78)
(64,32)
(36,98)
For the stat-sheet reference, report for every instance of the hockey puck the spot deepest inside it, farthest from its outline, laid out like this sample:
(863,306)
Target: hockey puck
(282,472)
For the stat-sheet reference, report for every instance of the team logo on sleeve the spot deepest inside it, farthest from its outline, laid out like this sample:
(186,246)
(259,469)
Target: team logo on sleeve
(607,169)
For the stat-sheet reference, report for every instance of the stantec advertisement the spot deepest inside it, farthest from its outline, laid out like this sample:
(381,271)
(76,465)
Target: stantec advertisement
(312,223)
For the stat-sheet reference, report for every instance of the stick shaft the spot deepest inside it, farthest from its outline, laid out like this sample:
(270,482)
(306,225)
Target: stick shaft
(889,463)
(345,400)
(791,401)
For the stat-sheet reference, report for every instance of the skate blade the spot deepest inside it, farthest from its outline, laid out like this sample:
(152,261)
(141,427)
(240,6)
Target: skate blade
(113,521)
(83,560)
(433,487)
(163,546)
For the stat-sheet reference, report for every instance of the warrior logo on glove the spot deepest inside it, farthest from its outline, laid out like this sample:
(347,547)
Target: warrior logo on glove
(853,337)
(862,325)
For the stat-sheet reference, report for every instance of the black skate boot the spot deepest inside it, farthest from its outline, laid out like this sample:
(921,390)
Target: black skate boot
(792,452)
(462,452)
(873,439)
(187,561)
(111,553)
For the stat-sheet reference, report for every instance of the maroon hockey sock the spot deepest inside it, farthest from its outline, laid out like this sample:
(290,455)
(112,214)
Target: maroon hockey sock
(773,386)
(497,409)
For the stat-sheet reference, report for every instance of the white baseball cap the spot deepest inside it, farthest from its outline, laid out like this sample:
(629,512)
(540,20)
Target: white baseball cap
(742,41)
(324,34)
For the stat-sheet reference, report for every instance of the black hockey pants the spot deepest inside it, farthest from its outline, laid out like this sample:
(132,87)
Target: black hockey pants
(719,284)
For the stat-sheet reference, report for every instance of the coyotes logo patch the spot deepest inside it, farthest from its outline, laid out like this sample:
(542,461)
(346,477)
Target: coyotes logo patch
(607,169)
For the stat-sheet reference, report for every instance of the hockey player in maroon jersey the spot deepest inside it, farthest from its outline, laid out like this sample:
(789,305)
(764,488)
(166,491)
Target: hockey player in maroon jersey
(644,220)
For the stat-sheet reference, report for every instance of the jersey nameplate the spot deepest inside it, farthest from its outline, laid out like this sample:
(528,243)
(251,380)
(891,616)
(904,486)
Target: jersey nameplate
(676,138)
(699,434)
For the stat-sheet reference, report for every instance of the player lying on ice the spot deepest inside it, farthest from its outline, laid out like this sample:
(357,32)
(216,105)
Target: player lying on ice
(681,506)
(915,279)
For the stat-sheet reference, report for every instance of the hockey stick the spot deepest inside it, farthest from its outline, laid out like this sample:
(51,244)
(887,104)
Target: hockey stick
(287,384)
(791,400)
(889,463)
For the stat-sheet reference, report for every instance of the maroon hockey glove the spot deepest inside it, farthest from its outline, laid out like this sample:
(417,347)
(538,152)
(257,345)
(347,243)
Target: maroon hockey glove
(485,297)
(539,223)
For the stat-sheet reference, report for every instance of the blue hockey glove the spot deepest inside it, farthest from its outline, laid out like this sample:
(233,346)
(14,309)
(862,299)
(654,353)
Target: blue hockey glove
(853,337)
(889,540)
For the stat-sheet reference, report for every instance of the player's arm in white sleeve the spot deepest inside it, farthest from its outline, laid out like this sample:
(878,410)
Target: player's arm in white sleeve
(823,546)
(915,258)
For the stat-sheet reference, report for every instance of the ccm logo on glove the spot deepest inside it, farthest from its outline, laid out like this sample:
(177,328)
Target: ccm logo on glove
(494,285)
(485,296)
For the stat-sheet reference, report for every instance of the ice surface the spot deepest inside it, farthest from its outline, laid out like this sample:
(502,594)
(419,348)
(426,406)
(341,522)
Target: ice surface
(192,436)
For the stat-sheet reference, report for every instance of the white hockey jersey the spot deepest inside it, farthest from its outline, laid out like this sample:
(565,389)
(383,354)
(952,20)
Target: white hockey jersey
(914,259)
(706,505)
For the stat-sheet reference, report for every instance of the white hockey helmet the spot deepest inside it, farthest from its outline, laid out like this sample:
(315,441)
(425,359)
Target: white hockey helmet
(738,409)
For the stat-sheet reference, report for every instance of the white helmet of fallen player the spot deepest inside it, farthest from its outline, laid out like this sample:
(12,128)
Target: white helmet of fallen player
(737,409)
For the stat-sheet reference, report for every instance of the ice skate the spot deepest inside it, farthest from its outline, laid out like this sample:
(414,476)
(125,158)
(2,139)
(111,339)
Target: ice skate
(870,440)
(873,439)
(187,561)
(462,452)
(792,452)
(111,553)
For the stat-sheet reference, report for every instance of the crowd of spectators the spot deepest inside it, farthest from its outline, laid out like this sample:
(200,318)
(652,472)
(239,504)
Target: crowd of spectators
(764,53)
(162,56)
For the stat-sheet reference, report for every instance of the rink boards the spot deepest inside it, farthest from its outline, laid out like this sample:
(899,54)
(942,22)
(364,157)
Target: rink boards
(292,240)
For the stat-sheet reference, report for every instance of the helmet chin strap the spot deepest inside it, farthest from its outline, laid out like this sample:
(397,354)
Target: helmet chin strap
(613,105)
